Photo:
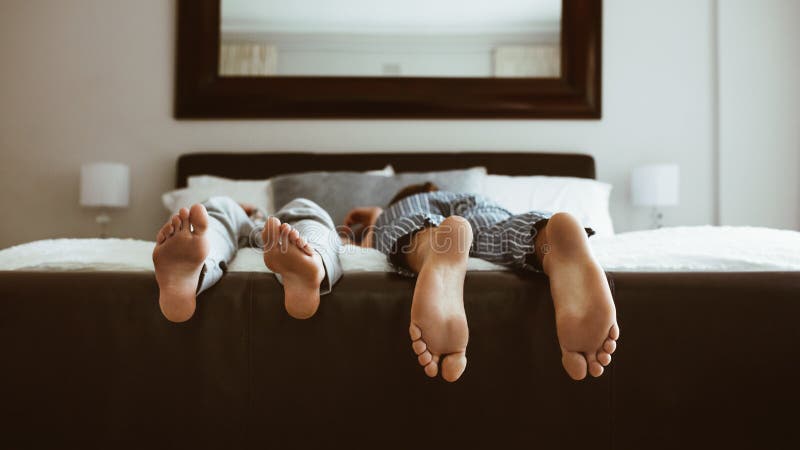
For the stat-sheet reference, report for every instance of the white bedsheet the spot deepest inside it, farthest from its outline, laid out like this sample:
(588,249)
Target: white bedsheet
(668,249)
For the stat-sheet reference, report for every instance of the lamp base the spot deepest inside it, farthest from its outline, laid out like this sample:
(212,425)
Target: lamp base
(657,217)
(103,220)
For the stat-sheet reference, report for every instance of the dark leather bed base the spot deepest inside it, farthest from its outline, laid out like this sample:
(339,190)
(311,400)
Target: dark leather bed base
(705,361)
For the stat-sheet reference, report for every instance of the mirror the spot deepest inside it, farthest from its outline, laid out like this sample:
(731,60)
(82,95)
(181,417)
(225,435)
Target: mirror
(396,59)
(390,38)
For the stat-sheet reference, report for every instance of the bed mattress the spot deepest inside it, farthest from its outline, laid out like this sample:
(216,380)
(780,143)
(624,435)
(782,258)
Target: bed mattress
(677,249)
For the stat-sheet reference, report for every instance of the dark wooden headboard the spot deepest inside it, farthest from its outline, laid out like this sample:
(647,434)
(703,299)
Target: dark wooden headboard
(265,165)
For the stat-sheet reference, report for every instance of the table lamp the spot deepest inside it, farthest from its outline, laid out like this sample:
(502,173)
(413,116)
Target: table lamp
(105,185)
(655,185)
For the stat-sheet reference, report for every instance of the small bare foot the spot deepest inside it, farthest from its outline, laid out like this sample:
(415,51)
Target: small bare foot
(438,322)
(585,315)
(288,254)
(181,248)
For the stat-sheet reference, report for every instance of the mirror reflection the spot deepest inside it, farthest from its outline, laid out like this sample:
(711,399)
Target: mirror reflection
(395,38)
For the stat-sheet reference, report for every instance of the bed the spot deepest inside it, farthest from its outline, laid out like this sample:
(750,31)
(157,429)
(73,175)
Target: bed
(707,355)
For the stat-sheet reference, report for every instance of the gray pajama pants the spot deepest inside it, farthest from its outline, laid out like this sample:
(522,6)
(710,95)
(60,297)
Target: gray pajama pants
(230,228)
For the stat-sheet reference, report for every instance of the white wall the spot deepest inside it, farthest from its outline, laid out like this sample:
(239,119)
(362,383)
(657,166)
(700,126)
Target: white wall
(759,62)
(85,80)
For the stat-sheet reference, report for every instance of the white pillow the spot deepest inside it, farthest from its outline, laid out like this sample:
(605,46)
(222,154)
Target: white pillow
(387,171)
(584,198)
(254,192)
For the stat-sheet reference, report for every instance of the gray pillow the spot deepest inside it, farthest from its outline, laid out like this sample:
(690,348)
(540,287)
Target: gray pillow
(338,192)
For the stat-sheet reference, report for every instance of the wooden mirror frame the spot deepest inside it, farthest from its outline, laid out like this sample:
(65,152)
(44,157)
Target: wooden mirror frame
(202,94)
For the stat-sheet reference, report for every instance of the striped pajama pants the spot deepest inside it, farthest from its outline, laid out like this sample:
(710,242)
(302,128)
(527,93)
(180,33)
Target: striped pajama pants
(499,236)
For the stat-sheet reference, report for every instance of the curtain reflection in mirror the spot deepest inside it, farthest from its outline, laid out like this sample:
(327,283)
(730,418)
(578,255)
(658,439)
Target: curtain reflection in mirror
(247,59)
(543,61)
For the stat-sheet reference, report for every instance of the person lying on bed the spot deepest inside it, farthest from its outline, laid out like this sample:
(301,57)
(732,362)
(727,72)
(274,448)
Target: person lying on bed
(300,245)
(431,234)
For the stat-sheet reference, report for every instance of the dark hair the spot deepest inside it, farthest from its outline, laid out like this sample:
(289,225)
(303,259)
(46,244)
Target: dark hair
(414,189)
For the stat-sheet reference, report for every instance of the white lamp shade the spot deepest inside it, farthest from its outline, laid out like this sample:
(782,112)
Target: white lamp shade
(105,184)
(655,185)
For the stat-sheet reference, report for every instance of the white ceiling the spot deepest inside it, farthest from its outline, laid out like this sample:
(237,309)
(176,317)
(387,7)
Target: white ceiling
(430,16)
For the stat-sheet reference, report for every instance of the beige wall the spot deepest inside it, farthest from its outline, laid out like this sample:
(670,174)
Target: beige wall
(85,80)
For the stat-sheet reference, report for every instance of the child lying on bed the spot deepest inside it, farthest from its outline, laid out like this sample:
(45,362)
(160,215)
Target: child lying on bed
(423,232)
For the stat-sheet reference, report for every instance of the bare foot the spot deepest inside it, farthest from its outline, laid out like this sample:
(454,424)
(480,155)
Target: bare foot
(288,254)
(438,322)
(181,248)
(585,315)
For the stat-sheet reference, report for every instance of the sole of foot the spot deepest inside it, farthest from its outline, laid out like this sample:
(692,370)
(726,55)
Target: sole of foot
(288,254)
(585,313)
(438,330)
(181,248)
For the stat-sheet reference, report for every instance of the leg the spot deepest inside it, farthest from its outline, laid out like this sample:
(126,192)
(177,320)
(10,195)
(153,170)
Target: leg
(585,314)
(303,251)
(192,251)
(229,229)
(438,321)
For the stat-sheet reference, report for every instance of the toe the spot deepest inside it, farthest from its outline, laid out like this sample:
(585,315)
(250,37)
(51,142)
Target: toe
(414,332)
(294,235)
(424,358)
(595,368)
(609,346)
(184,216)
(419,346)
(453,366)
(198,217)
(303,245)
(164,232)
(271,230)
(574,363)
(176,223)
(432,369)
(273,225)
(614,333)
(284,237)
(603,358)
